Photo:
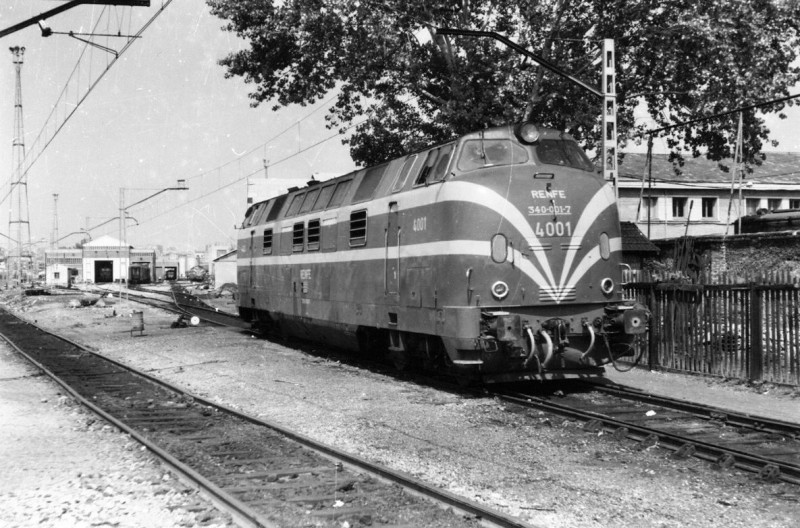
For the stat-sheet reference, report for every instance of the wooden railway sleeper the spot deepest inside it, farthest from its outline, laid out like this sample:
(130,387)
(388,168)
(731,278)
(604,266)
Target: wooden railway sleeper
(770,473)
(593,426)
(649,441)
(621,433)
(725,461)
(685,451)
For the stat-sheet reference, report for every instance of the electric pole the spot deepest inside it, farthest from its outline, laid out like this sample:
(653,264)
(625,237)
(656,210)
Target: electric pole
(18,223)
(54,241)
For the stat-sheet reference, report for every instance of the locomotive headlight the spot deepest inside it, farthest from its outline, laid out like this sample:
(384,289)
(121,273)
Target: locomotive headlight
(607,286)
(499,248)
(605,246)
(527,133)
(500,290)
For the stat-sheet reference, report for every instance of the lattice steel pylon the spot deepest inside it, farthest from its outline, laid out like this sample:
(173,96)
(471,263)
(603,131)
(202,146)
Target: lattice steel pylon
(19,226)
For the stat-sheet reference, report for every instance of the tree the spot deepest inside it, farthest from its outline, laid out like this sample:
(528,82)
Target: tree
(402,87)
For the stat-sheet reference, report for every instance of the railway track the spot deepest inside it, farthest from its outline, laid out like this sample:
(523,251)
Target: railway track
(179,302)
(768,448)
(261,473)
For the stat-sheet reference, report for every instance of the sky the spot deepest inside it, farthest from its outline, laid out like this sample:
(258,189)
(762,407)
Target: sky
(163,112)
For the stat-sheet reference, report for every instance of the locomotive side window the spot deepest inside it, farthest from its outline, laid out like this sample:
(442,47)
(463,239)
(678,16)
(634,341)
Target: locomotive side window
(297,201)
(563,152)
(370,182)
(477,154)
(402,174)
(311,197)
(323,198)
(358,228)
(276,207)
(338,195)
(298,237)
(313,235)
(267,244)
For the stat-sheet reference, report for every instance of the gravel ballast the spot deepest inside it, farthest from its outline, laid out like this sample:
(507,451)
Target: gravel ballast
(541,468)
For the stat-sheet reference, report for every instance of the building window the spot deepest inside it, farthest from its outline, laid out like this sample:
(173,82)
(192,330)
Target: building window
(298,237)
(649,208)
(752,205)
(358,228)
(313,235)
(679,207)
(794,204)
(56,275)
(267,245)
(773,204)
(709,206)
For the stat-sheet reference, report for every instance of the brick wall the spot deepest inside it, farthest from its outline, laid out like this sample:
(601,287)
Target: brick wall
(739,255)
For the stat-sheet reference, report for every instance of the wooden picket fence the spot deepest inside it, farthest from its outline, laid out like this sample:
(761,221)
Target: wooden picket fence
(738,327)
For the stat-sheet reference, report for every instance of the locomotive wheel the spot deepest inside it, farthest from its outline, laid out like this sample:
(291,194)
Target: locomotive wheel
(400,359)
(467,379)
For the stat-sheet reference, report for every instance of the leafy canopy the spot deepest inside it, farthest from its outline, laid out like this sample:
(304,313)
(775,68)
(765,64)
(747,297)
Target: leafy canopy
(404,87)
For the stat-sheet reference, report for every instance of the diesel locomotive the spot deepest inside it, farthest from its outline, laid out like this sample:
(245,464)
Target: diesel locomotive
(495,257)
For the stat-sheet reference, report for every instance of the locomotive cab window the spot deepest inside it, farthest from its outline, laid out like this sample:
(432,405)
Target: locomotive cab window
(358,228)
(435,165)
(312,242)
(249,216)
(264,211)
(267,244)
(298,237)
(277,205)
(563,152)
(477,154)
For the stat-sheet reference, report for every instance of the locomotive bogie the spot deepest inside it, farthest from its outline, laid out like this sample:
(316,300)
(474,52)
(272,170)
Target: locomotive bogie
(485,256)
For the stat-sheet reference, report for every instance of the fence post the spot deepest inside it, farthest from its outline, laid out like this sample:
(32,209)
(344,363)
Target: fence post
(756,334)
(652,338)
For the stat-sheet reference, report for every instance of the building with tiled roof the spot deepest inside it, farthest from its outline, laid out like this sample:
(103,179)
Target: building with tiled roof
(698,200)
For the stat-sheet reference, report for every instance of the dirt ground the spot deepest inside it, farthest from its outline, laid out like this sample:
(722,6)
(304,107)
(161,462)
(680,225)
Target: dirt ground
(541,468)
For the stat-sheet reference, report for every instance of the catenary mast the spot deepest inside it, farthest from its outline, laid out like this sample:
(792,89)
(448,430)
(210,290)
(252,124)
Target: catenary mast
(18,225)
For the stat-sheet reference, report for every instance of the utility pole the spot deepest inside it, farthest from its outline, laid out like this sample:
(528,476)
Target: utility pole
(54,240)
(610,116)
(18,210)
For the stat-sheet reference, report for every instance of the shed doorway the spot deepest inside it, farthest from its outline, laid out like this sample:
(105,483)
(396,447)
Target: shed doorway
(103,271)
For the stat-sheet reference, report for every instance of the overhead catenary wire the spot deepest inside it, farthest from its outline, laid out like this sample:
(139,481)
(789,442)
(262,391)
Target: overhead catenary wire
(21,174)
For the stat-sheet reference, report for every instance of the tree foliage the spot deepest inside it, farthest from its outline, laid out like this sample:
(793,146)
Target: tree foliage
(401,86)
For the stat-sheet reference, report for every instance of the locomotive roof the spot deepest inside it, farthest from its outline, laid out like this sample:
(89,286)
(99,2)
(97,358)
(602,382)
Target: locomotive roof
(498,132)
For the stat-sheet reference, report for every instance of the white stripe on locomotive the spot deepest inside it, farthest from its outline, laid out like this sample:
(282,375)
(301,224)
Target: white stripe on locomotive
(480,195)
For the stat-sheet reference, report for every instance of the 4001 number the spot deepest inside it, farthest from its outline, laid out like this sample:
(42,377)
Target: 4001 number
(553,229)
